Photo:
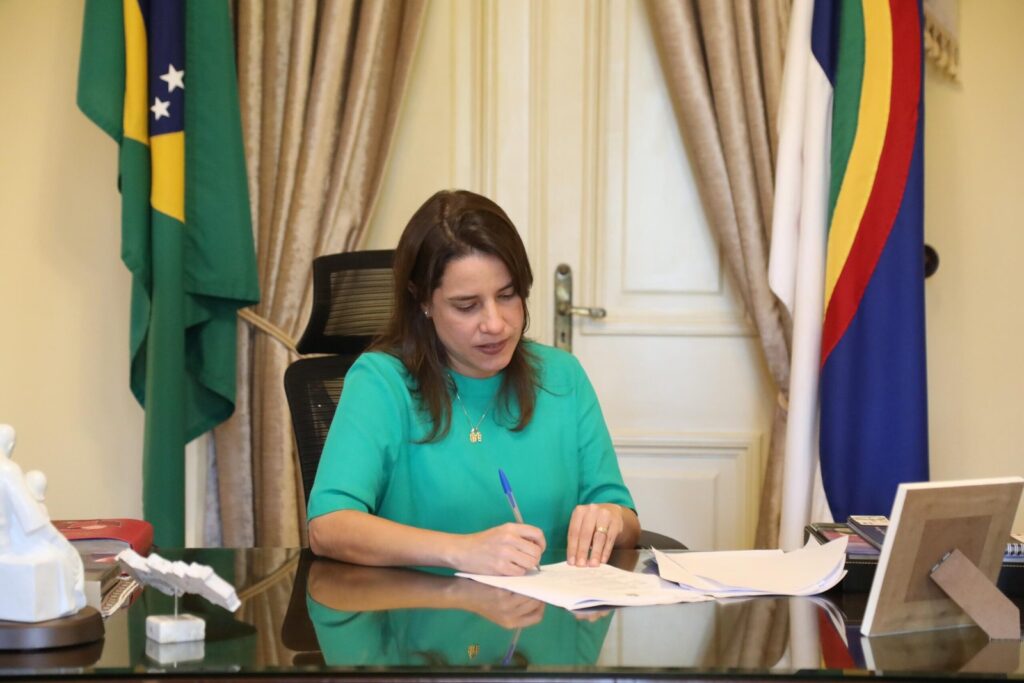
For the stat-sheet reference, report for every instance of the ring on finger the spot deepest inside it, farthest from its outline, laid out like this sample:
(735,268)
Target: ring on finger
(601,530)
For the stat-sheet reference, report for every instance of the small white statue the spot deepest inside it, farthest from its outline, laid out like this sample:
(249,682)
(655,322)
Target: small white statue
(40,571)
(177,578)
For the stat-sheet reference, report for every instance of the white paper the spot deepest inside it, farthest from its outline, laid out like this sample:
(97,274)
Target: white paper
(706,581)
(807,571)
(581,587)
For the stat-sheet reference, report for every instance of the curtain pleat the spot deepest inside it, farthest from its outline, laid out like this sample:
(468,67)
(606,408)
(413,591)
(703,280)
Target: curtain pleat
(320,86)
(723,66)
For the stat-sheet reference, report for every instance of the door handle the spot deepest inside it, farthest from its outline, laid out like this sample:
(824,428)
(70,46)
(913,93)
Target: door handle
(564,310)
(595,312)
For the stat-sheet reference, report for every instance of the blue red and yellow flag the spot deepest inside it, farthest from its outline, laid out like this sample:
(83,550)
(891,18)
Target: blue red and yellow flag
(874,422)
(847,256)
(159,77)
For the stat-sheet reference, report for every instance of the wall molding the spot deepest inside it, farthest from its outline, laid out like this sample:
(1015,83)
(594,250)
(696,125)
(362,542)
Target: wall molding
(594,153)
(698,324)
(538,124)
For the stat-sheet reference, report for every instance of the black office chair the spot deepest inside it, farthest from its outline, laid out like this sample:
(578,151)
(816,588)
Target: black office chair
(351,304)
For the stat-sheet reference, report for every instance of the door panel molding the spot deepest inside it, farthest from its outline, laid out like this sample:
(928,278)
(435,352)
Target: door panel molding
(668,277)
(702,487)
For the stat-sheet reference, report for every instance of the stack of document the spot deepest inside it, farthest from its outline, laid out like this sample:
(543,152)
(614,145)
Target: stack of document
(683,577)
(741,573)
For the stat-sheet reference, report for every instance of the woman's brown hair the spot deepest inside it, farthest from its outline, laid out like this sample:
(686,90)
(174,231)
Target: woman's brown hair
(450,225)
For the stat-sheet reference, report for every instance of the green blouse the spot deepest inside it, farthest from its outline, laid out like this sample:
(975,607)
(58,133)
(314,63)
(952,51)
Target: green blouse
(372,463)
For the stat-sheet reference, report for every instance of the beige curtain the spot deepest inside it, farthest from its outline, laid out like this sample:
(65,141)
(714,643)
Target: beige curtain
(723,65)
(320,86)
(942,36)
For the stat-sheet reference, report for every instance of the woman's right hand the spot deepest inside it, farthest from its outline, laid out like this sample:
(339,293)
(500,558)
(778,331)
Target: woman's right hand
(506,550)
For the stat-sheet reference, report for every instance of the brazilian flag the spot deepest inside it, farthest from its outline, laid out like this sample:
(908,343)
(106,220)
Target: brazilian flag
(159,77)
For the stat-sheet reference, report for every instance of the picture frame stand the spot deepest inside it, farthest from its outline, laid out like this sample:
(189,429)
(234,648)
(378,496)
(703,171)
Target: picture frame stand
(941,557)
(977,596)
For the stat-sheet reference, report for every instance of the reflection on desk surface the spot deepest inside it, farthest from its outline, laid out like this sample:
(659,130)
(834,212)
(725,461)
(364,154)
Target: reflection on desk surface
(302,615)
(404,617)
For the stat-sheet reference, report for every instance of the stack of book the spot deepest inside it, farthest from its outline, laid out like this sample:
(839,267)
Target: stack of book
(98,541)
(867,535)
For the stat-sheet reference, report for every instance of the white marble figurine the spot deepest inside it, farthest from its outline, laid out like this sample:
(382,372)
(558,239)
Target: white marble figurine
(177,578)
(40,571)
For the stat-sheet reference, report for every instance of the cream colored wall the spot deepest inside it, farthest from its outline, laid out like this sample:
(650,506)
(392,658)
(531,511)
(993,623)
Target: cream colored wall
(63,289)
(974,203)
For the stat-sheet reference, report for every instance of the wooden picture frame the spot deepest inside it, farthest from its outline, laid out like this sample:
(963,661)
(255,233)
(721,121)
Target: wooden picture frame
(929,520)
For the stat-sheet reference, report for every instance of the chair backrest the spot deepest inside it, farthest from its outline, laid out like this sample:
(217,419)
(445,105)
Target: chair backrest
(313,386)
(351,301)
(351,304)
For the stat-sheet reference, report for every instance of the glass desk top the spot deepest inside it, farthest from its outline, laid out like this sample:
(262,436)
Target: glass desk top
(302,616)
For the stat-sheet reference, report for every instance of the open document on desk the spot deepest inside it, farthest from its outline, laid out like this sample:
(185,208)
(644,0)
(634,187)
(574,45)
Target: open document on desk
(683,577)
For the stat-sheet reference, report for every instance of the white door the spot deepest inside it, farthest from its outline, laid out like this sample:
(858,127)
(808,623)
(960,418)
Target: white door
(558,110)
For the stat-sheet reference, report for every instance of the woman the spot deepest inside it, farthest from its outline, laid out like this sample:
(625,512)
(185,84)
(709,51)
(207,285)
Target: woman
(451,393)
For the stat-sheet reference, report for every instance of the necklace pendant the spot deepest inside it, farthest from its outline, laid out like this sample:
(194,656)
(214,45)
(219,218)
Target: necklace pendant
(475,436)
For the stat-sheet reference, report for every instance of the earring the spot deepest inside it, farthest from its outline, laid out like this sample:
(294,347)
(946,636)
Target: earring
(426,313)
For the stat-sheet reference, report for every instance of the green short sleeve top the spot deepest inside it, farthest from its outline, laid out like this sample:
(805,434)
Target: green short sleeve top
(372,463)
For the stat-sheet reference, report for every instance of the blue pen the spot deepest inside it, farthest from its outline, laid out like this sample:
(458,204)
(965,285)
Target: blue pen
(512,647)
(507,488)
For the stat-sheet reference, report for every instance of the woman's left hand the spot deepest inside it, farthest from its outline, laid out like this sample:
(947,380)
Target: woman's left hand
(593,529)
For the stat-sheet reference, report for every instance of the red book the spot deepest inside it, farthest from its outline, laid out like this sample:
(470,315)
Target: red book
(136,534)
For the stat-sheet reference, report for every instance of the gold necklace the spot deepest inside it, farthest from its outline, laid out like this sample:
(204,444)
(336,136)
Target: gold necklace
(474,430)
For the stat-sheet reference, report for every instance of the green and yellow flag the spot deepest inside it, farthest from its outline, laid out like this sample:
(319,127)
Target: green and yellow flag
(159,77)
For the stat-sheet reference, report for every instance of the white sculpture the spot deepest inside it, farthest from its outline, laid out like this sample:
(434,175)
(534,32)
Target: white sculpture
(41,573)
(177,578)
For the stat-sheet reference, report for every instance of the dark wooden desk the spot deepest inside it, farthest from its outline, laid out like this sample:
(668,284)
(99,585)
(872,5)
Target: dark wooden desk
(307,618)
